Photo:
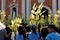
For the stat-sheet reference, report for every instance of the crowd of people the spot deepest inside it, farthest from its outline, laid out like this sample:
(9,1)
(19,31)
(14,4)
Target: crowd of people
(30,32)
(23,31)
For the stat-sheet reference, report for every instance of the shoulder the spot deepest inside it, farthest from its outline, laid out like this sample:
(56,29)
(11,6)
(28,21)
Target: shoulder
(3,31)
(49,35)
(30,34)
(17,35)
(57,34)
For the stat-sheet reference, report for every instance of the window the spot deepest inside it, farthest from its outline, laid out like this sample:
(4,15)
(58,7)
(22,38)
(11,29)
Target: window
(14,12)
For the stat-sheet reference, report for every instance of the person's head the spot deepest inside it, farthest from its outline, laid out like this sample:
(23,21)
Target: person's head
(8,30)
(20,30)
(33,27)
(28,29)
(51,28)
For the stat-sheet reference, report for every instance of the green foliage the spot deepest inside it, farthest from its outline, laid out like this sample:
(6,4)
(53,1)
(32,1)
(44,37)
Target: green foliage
(7,21)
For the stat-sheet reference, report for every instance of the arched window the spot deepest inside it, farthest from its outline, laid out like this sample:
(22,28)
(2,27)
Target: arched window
(14,14)
(46,12)
(13,10)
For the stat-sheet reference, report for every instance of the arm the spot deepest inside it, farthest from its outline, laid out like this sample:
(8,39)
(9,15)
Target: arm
(5,33)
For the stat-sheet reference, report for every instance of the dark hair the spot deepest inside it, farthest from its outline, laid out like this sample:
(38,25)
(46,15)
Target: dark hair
(44,32)
(28,29)
(34,29)
(52,27)
(8,30)
(20,30)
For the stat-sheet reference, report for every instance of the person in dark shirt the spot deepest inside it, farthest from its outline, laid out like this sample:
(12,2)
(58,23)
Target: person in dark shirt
(9,32)
(2,34)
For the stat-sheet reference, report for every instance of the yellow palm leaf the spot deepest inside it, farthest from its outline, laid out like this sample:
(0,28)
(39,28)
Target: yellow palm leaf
(34,5)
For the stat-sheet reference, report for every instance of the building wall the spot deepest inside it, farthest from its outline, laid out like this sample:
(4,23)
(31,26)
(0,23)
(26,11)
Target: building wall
(33,1)
(19,6)
(0,4)
(11,2)
(7,7)
(47,3)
